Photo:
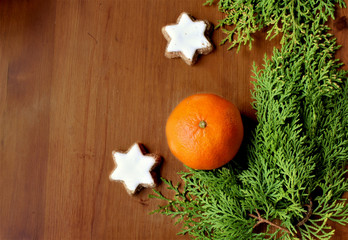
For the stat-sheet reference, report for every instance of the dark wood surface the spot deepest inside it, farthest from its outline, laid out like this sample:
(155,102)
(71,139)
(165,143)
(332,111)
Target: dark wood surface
(79,79)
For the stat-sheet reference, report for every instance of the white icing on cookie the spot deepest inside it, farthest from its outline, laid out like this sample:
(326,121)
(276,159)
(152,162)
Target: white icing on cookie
(133,168)
(187,36)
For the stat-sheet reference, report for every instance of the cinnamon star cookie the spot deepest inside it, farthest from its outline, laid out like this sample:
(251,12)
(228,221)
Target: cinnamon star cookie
(134,168)
(187,38)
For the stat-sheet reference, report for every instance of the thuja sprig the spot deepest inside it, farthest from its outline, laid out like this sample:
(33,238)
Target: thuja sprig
(301,96)
(289,17)
(184,209)
(261,220)
(296,157)
(298,153)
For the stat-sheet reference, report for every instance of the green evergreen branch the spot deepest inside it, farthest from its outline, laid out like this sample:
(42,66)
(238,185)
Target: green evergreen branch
(288,17)
(262,220)
(308,214)
(297,155)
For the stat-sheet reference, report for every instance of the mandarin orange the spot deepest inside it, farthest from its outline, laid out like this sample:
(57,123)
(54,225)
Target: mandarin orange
(204,131)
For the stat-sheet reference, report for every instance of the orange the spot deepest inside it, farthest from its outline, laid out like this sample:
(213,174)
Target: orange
(204,131)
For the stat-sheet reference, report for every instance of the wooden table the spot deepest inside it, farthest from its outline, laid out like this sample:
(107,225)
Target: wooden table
(79,79)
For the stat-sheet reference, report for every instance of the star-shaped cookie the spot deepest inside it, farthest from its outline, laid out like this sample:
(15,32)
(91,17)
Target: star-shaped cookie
(134,168)
(187,38)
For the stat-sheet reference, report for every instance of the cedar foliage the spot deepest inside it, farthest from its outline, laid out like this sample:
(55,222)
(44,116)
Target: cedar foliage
(296,158)
(291,18)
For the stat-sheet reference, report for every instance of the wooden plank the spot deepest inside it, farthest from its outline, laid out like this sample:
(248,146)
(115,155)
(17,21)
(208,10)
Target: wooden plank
(26,45)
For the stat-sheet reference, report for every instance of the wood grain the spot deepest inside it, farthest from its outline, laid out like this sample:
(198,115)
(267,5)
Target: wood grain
(79,79)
